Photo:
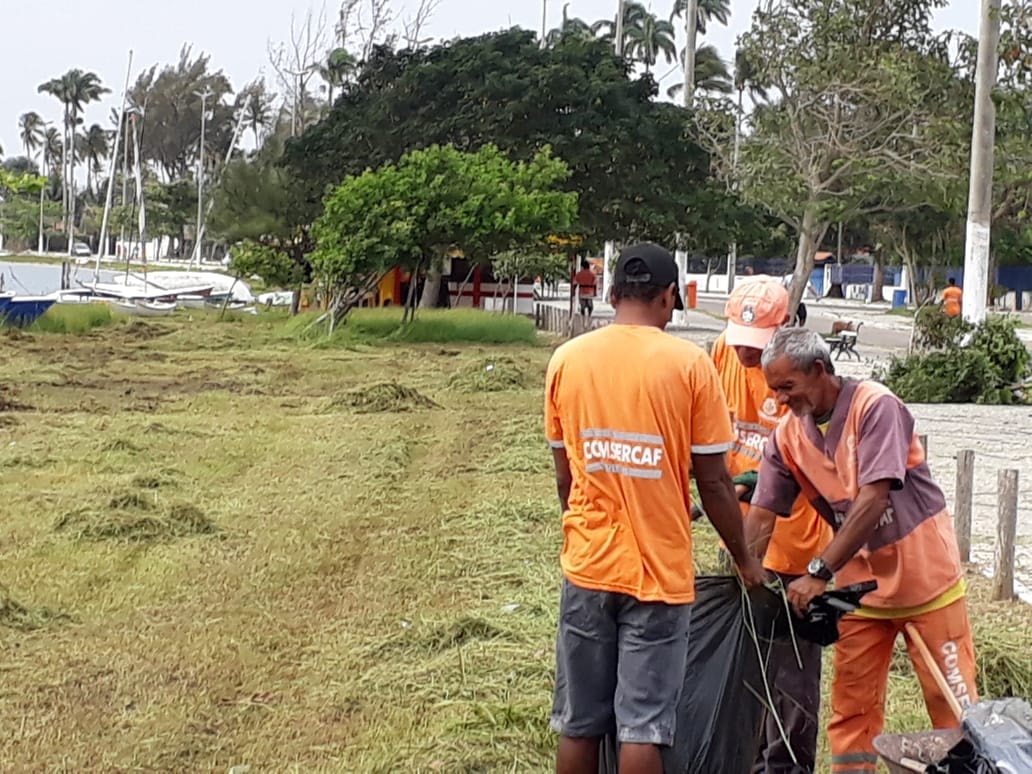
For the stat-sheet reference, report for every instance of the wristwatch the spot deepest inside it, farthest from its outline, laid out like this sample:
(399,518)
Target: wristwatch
(818,569)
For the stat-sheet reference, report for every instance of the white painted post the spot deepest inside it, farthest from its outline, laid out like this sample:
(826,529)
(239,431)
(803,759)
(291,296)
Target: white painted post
(681,318)
(607,270)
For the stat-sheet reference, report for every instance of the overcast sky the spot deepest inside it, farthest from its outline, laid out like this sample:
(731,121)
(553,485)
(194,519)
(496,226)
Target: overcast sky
(41,40)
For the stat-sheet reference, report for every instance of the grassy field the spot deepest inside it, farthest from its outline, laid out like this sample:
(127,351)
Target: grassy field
(223,547)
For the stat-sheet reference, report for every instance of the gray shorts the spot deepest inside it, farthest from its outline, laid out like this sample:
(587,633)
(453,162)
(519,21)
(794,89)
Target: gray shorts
(620,666)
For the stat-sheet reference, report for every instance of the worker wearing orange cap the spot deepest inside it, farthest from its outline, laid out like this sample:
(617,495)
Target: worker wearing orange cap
(755,311)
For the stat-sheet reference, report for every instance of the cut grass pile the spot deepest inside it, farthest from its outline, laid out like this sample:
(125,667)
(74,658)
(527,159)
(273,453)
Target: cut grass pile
(15,615)
(385,397)
(492,374)
(136,518)
(381,596)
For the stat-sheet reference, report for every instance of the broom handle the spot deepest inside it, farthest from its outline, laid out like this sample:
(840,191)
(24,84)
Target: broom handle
(933,667)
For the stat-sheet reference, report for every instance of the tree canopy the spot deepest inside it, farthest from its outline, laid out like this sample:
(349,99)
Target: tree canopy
(435,201)
(857,97)
(634,163)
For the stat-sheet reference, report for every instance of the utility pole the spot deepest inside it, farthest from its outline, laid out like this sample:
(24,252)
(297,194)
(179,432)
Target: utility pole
(619,32)
(980,193)
(200,172)
(544,22)
(732,257)
(691,25)
(296,75)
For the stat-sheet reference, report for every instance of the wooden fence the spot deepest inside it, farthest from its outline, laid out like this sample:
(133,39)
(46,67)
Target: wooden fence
(1006,525)
(554,319)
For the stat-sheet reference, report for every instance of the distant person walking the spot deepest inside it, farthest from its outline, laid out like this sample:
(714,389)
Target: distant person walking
(586,284)
(952,298)
(631,413)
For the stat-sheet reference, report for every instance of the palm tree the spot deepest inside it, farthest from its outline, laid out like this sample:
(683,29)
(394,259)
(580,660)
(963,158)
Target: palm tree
(746,74)
(31,126)
(709,10)
(711,73)
(96,147)
(259,114)
(339,66)
(649,38)
(573,28)
(74,90)
(52,149)
(634,15)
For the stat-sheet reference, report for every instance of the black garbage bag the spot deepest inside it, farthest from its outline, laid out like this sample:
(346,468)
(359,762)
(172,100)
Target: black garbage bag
(720,714)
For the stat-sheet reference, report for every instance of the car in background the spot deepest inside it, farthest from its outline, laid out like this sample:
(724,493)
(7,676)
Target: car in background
(81,248)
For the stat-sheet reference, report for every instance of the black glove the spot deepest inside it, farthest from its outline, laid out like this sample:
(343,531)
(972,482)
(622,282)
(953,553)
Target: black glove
(820,625)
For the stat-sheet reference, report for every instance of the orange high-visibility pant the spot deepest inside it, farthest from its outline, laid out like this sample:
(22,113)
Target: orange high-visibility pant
(863,656)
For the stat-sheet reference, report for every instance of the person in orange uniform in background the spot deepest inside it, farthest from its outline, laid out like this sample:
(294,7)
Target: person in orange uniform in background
(850,448)
(631,413)
(952,297)
(585,283)
(755,311)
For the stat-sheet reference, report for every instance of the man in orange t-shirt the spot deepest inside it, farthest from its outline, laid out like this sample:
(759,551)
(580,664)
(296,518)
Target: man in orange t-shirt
(755,310)
(851,449)
(631,413)
(585,282)
(952,297)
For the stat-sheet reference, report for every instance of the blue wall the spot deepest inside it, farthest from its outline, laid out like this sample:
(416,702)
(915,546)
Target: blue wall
(1018,278)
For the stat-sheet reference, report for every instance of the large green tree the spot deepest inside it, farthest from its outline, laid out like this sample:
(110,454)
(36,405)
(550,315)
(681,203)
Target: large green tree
(432,202)
(856,91)
(261,209)
(638,170)
(171,104)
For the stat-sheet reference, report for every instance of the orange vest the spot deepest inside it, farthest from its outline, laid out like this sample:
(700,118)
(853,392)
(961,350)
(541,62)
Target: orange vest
(755,413)
(913,551)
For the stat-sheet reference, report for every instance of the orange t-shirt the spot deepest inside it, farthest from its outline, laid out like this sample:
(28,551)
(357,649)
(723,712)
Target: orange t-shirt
(585,281)
(755,413)
(630,405)
(951,300)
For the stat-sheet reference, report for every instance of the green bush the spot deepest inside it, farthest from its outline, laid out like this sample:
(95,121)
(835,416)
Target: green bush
(435,326)
(966,364)
(934,329)
(74,319)
(997,337)
(961,376)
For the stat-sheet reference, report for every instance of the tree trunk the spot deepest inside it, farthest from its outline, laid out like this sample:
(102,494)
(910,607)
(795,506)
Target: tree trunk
(811,232)
(410,302)
(878,281)
(432,286)
(917,295)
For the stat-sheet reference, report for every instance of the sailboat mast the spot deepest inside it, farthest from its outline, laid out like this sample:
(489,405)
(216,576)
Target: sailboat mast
(237,131)
(102,247)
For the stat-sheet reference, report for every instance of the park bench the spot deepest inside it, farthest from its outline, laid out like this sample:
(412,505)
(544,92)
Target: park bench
(842,339)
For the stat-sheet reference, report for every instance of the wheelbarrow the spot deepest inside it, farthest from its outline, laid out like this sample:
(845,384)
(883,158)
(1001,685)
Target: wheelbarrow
(907,753)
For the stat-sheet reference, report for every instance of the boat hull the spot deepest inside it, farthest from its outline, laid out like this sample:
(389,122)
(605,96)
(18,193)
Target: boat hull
(24,311)
(145,308)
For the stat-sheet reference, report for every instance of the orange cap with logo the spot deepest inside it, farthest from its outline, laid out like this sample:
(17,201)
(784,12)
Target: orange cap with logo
(755,310)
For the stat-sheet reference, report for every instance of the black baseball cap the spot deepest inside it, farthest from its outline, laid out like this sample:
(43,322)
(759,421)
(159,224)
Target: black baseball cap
(648,264)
